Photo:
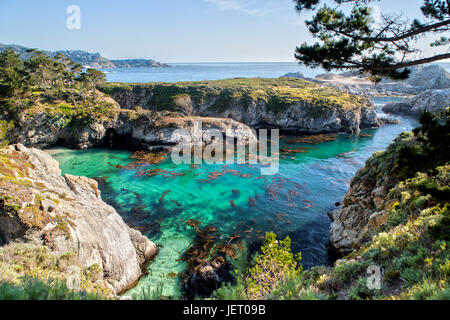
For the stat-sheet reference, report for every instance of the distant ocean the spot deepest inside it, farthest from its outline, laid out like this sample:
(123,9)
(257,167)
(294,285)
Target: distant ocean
(211,71)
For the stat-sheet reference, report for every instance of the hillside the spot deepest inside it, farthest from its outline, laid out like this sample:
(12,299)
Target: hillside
(87,59)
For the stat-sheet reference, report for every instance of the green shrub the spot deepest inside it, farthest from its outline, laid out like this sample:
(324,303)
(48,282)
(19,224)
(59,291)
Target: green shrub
(273,266)
(274,271)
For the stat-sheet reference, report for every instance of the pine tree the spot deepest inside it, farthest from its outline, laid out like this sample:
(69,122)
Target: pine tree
(385,48)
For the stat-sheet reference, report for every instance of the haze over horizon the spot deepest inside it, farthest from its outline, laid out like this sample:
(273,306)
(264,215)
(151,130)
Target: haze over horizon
(171,31)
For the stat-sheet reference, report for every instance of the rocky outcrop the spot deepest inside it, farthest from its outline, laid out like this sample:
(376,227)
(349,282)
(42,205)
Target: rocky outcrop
(298,117)
(163,130)
(429,77)
(433,101)
(42,130)
(126,129)
(66,214)
(421,78)
(142,116)
(288,104)
(365,207)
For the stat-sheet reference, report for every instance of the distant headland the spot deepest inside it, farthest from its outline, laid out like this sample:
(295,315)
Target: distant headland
(88,59)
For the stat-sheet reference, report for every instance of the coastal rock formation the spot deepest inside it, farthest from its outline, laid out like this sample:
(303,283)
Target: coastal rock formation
(365,207)
(142,116)
(163,130)
(433,101)
(131,129)
(421,78)
(67,215)
(286,103)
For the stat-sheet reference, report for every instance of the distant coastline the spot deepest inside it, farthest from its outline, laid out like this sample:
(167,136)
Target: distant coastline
(90,60)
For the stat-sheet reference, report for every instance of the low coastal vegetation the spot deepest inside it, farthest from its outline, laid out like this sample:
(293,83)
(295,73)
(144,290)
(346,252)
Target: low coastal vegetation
(35,289)
(34,272)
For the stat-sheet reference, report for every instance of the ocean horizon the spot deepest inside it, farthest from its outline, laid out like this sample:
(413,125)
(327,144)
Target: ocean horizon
(206,71)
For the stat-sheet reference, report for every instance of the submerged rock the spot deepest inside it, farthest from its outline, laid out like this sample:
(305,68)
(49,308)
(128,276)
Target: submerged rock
(207,265)
(66,214)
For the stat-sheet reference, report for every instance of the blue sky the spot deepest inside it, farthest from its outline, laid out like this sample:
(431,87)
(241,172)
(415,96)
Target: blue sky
(168,30)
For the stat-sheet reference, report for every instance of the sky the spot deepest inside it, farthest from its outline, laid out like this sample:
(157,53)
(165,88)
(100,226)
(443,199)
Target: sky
(170,30)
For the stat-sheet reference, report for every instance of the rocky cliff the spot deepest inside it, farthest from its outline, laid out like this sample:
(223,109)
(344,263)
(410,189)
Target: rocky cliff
(433,101)
(285,103)
(365,206)
(128,129)
(67,215)
(141,116)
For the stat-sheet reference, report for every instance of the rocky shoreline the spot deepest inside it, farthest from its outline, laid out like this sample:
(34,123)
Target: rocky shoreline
(433,101)
(364,207)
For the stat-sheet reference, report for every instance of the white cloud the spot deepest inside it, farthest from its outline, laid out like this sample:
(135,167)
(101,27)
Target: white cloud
(249,7)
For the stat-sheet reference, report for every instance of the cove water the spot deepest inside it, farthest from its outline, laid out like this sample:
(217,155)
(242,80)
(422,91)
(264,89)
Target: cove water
(294,202)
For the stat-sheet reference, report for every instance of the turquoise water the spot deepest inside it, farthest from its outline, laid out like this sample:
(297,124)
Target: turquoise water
(237,200)
(207,71)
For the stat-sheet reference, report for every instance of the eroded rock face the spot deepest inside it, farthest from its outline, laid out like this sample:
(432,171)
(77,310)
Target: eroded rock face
(67,214)
(135,131)
(433,101)
(364,206)
(164,131)
(299,116)
(142,115)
